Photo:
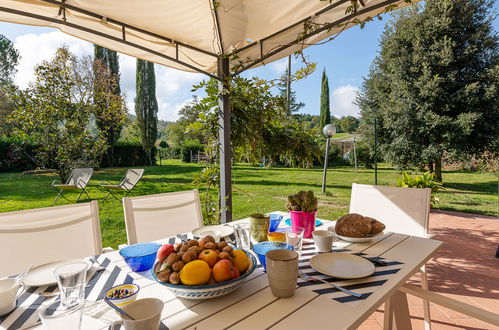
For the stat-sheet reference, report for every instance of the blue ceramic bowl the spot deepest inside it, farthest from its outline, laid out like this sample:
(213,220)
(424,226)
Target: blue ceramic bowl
(140,257)
(275,220)
(262,248)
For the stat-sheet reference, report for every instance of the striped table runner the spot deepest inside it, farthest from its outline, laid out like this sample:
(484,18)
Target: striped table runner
(366,286)
(26,313)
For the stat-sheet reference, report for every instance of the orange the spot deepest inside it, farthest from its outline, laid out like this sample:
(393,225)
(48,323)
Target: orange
(240,260)
(196,272)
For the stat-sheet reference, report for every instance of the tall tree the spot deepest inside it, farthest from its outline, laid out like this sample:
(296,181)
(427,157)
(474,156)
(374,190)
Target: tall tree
(325,113)
(9,58)
(55,111)
(110,107)
(434,86)
(146,106)
(294,106)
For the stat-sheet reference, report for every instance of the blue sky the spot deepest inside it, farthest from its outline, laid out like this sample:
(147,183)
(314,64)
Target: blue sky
(346,60)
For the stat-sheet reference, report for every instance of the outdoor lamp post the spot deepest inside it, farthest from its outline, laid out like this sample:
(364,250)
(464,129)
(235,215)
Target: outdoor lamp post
(329,130)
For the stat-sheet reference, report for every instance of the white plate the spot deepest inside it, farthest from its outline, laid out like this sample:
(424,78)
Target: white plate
(355,239)
(43,275)
(216,230)
(342,265)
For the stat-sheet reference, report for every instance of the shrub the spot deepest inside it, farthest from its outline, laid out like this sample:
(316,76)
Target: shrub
(17,155)
(189,146)
(171,153)
(426,180)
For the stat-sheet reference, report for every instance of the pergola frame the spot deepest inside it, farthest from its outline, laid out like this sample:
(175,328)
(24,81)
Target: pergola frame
(223,68)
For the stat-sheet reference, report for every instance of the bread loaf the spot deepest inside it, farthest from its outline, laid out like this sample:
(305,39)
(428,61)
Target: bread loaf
(359,226)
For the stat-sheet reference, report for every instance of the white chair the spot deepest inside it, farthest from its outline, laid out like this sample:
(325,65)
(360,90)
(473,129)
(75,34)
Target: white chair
(152,217)
(49,234)
(402,210)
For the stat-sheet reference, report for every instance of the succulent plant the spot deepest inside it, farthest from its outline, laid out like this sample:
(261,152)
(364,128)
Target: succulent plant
(302,201)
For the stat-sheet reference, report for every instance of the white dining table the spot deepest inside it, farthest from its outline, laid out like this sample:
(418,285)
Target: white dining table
(253,306)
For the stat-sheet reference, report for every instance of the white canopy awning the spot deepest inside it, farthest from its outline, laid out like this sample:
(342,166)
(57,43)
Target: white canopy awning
(215,37)
(191,34)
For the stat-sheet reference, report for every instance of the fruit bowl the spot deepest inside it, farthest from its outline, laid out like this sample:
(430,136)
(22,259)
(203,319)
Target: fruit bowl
(209,291)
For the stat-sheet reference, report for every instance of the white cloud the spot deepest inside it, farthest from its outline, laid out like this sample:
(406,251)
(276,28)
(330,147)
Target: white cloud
(279,66)
(342,99)
(35,48)
(172,86)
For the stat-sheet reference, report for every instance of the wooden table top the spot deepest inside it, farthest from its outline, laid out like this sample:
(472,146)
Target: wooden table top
(253,306)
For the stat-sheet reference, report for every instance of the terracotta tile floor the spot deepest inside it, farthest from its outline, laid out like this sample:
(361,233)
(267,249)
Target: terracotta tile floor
(465,268)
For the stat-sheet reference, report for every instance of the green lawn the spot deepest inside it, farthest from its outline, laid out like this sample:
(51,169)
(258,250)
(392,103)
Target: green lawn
(464,191)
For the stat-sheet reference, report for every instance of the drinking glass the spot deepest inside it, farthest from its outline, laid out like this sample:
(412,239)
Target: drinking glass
(294,237)
(71,279)
(242,236)
(56,317)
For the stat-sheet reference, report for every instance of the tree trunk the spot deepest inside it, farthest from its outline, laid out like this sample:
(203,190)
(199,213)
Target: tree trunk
(438,170)
(430,167)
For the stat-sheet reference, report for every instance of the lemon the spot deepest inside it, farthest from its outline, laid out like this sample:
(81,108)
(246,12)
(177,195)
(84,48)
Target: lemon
(196,272)
(240,260)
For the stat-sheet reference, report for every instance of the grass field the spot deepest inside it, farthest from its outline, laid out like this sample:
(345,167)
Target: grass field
(268,188)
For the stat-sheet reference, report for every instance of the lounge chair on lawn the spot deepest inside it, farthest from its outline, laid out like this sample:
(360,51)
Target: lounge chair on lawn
(129,181)
(78,179)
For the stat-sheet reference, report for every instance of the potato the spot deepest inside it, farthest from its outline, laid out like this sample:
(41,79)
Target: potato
(189,256)
(210,245)
(178,265)
(164,276)
(174,278)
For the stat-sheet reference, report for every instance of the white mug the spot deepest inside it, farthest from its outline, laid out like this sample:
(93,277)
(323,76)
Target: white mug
(10,290)
(323,240)
(146,312)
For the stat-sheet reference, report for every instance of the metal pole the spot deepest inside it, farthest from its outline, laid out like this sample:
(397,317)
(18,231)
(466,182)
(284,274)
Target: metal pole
(325,166)
(354,155)
(375,152)
(288,85)
(224,140)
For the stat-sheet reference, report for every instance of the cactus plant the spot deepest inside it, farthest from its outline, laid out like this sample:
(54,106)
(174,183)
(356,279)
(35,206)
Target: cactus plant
(302,201)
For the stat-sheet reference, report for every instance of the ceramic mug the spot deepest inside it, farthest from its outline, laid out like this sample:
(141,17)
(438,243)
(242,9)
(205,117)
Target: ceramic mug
(282,272)
(10,290)
(323,240)
(146,312)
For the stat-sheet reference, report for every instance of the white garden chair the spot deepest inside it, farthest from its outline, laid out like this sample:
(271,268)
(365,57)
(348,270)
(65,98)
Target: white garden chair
(402,210)
(39,236)
(78,180)
(153,217)
(127,183)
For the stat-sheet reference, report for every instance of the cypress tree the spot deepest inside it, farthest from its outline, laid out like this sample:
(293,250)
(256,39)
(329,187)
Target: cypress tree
(325,114)
(110,110)
(146,106)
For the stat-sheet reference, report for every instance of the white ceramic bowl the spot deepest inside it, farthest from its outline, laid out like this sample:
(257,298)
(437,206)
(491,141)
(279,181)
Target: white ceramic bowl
(132,288)
(211,290)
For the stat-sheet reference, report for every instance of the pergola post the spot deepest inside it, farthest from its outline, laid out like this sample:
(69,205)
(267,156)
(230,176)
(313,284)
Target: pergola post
(224,140)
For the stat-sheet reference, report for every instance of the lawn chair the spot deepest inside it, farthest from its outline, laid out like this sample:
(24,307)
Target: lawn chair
(129,181)
(78,179)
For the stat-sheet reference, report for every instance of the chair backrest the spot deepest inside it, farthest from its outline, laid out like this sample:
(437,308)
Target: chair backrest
(80,177)
(402,210)
(132,177)
(49,234)
(152,217)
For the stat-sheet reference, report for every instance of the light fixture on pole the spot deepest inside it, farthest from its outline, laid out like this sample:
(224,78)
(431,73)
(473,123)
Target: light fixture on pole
(329,130)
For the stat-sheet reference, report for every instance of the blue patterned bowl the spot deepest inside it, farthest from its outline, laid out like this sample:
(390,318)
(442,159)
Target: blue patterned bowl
(211,290)
(140,257)
(262,248)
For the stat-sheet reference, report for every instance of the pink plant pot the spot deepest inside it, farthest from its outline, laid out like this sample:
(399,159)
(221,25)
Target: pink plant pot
(305,220)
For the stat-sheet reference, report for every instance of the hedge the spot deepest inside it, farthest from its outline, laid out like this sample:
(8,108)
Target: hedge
(186,151)
(16,155)
(127,154)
